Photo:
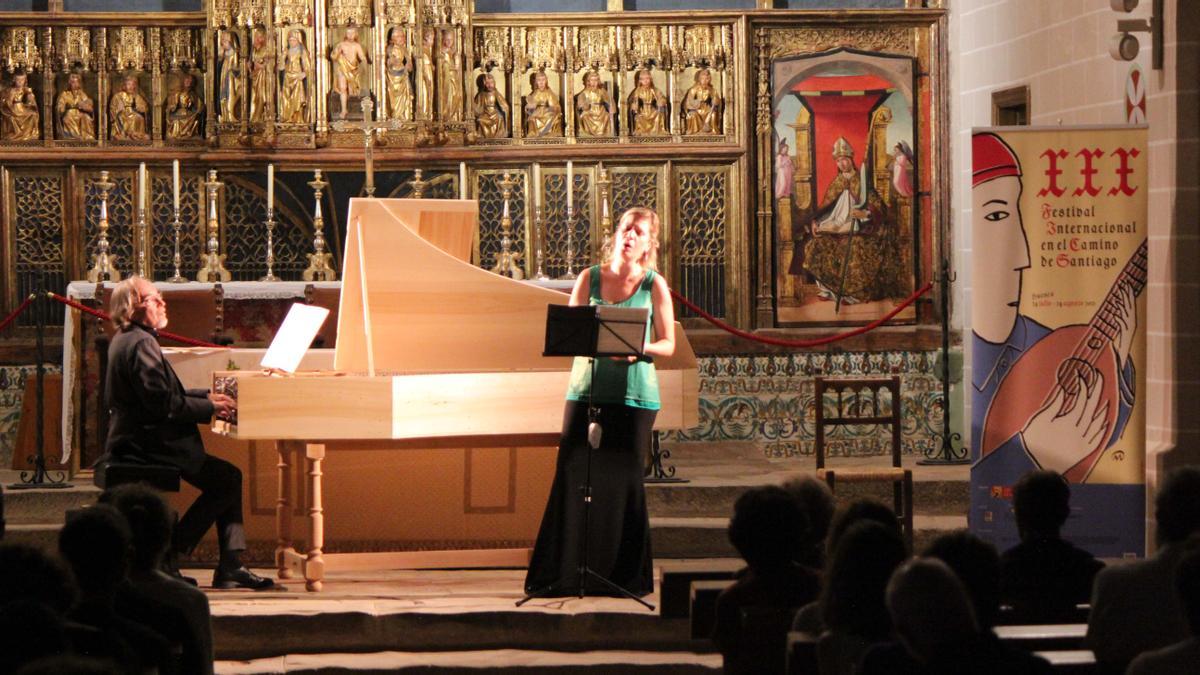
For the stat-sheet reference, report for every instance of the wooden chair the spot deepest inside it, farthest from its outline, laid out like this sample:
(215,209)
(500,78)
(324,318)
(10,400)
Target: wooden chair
(851,409)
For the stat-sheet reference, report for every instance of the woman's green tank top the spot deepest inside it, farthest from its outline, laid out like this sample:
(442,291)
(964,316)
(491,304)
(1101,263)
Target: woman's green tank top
(634,384)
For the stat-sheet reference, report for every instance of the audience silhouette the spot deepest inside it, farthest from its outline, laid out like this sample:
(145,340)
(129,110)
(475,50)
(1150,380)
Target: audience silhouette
(767,529)
(1044,577)
(175,608)
(1135,607)
(816,501)
(1181,658)
(95,543)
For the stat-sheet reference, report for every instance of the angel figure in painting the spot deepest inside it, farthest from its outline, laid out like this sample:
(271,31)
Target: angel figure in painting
(902,169)
(491,110)
(648,108)
(543,114)
(75,111)
(293,95)
(19,111)
(127,111)
(184,110)
(593,108)
(702,106)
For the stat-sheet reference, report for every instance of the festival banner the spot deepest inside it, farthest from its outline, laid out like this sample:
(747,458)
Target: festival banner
(1058,347)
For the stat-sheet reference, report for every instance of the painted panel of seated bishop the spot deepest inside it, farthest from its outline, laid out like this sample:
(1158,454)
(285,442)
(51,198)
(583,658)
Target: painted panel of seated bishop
(843,185)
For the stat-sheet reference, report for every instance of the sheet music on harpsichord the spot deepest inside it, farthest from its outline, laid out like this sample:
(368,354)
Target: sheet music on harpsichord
(294,337)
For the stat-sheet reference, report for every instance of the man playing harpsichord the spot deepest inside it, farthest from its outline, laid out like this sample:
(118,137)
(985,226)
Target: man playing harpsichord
(153,419)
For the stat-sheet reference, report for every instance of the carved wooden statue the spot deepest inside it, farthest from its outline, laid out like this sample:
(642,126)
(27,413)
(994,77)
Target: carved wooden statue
(19,111)
(593,108)
(648,107)
(347,58)
(702,106)
(185,110)
(229,86)
(127,110)
(261,77)
(425,71)
(543,113)
(293,94)
(75,111)
(399,67)
(491,110)
(450,89)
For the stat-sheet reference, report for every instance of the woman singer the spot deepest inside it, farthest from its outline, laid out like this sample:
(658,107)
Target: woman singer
(626,393)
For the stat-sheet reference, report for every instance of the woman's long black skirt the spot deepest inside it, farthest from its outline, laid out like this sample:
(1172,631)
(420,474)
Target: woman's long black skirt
(618,540)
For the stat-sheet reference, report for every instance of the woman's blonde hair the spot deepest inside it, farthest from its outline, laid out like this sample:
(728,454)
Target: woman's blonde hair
(650,218)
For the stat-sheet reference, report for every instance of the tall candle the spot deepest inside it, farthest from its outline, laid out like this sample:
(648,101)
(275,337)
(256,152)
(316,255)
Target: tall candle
(462,180)
(270,187)
(141,186)
(537,185)
(570,185)
(175,181)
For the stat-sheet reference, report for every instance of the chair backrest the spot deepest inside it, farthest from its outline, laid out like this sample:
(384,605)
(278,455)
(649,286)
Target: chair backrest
(858,402)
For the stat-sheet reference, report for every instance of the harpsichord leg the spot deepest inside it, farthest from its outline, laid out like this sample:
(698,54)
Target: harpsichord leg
(314,566)
(283,508)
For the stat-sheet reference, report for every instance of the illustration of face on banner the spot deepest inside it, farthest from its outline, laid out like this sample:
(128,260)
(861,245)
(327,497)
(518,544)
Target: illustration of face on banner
(1058,338)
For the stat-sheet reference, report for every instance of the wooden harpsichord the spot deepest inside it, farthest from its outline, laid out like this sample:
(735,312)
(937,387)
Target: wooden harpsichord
(430,350)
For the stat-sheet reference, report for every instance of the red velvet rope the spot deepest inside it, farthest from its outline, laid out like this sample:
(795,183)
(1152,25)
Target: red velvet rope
(105,316)
(804,343)
(15,313)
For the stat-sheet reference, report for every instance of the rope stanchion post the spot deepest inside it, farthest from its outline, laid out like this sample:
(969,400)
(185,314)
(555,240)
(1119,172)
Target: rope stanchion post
(947,453)
(39,477)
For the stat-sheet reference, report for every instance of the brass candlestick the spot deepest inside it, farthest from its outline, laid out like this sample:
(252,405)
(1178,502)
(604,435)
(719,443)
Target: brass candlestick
(604,185)
(320,263)
(103,264)
(176,259)
(570,243)
(143,239)
(270,223)
(506,263)
(539,230)
(418,185)
(212,264)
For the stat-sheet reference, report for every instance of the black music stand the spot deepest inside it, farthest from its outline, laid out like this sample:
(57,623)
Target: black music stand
(594,332)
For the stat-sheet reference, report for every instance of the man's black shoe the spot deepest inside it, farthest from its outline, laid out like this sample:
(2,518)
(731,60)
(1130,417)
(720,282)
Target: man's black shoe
(241,578)
(170,567)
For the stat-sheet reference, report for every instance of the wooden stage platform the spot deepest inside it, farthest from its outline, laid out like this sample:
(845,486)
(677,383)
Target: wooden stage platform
(443,621)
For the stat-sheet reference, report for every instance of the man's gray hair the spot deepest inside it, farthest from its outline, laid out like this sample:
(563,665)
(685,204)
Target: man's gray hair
(124,302)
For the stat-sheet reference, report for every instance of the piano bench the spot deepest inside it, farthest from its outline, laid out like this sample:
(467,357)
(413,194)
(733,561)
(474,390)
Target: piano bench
(162,477)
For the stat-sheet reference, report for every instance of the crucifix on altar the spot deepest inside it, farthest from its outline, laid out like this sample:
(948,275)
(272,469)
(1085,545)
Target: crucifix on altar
(368,126)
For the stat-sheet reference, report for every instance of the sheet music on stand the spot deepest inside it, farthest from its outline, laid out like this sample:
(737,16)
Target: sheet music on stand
(595,330)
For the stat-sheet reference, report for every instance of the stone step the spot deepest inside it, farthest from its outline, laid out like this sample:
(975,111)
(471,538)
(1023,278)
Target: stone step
(707,537)
(40,535)
(492,660)
(46,505)
(703,499)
